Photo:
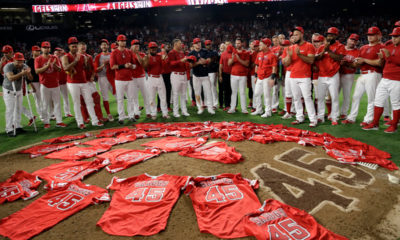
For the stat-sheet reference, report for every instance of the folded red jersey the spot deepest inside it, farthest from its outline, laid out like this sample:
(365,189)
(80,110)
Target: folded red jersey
(142,204)
(20,185)
(276,220)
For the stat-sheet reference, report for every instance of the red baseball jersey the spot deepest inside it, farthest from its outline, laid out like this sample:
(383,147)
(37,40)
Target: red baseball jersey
(156,65)
(124,158)
(174,59)
(349,56)
(37,151)
(90,67)
(299,68)
(284,54)
(78,74)
(78,153)
(138,72)
(370,52)
(112,132)
(127,137)
(225,56)
(327,66)
(150,126)
(20,185)
(216,151)
(47,211)
(123,57)
(66,138)
(265,62)
(253,58)
(174,144)
(60,173)
(221,201)
(278,221)
(104,141)
(237,68)
(48,78)
(146,202)
(391,69)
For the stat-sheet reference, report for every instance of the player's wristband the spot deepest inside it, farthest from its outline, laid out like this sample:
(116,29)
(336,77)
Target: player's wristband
(273,76)
(122,66)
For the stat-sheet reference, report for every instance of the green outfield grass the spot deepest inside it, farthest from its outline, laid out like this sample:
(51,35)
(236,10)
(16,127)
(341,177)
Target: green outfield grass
(379,139)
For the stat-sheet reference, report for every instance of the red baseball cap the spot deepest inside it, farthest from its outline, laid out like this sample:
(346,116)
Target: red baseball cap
(72,40)
(298,28)
(152,45)
(395,32)
(114,46)
(104,40)
(196,40)
(7,49)
(266,41)
(354,37)
(134,42)
(19,56)
(207,42)
(256,43)
(45,44)
(373,31)
(286,43)
(333,30)
(319,38)
(397,24)
(35,48)
(58,49)
(192,58)
(121,37)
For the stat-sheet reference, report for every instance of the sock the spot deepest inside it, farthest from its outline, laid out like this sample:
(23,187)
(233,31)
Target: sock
(106,107)
(329,106)
(396,117)
(288,105)
(377,115)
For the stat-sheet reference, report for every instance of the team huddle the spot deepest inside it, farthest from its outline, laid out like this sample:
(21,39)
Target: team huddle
(308,75)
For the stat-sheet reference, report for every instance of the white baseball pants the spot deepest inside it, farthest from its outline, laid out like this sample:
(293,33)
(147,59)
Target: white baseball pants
(76,90)
(179,87)
(301,87)
(64,94)
(105,87)
(213,84)
(262,87)
(122,88)
(13,109)
(332,85)
(388,88)
(238,83)
(51,96)
(141,84)
(346,84)
(157,86)
(204,82)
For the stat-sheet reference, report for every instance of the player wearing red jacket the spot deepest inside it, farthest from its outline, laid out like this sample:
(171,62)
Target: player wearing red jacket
(266,68)
(139,79)
(347,71)
(122,62)
(301,56)
(389,86)
(154,63)
(177,62)
(328,59)
(106,76)
(240,62)
(74,65)
(47,67)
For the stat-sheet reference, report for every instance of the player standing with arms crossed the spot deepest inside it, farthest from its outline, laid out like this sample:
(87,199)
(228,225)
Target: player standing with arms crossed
(389,86)
(47,67)
(301,56)
(74,65)
(240,62)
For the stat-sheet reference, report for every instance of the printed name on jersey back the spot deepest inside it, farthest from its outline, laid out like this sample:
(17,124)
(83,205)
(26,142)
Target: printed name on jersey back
(216,182)
(152,183)
(20,185)
(268,216)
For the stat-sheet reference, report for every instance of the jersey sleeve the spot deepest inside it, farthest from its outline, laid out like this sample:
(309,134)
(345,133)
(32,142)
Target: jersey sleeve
(274,60)
(113,59)
(116,183)
(183,182)
(341,50)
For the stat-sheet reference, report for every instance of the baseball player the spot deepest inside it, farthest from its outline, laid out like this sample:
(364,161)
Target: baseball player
(62,80)
(200,77)
(277,50)
(47,67)
(369,78)
(35,85)
(347,71)
(240,62)
(177,62)
(122,62)
(106,76)
(74,65)
(328,59)
(317,41)
(14,72)
(139,79)
(212,71)
(224,87)
(166,74)
(389,86)
(254,50)
(154,63)
(301,56)
(266,68)
(288,88)
(390,42)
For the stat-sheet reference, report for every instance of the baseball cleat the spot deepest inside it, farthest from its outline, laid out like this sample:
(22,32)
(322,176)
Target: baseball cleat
(287,116)
(62,125)
(297,122)
(47,126)
(370,126)
(347,121)
(82,126)
(391,129)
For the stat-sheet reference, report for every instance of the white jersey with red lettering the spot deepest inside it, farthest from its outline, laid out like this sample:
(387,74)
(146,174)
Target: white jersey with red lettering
(221,201)
(20,185)
(124,158)
(142,204)
(215,151)
(174,144)
(66,138)
(69,171)
(37,151)
(278,221)
(78,153)
(53,207)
